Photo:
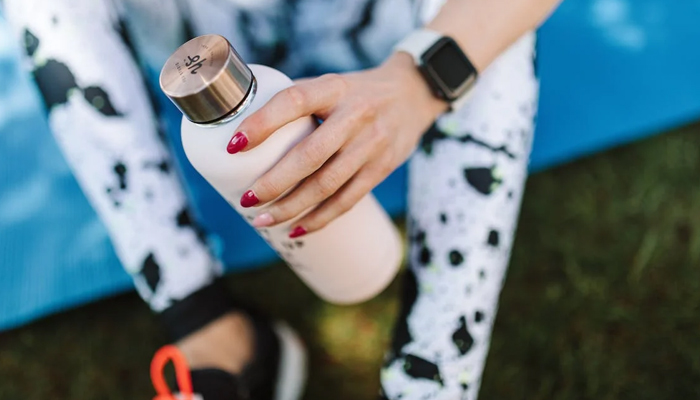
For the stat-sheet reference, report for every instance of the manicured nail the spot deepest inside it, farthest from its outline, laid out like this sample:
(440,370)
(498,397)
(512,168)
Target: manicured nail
(296,232)
(237,143)
(249,199)
(263,220)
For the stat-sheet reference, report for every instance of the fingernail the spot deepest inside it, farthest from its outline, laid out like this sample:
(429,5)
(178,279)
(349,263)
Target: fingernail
(249,199)
(263,220)
(296,232)
(237,143)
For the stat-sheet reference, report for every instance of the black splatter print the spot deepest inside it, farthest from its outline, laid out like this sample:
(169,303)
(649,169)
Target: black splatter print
(163,166)
(31,43)
(184,219)
(493,238)
(478,316)
(443,218)
(55,81)
(99,100)
(151,271)
(431,135)
(419,368)
(120,170)
(483,179)
(456,258)
(462,339)
(110,193)
(425,255)
(434,134)
(419,237)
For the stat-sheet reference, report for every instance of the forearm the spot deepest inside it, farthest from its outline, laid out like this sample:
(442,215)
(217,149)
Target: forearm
(485,28)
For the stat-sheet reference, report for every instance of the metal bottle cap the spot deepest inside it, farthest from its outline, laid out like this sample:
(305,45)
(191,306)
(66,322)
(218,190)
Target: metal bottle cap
(206,79)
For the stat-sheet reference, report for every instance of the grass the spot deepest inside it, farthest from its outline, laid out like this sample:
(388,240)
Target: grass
(602,301)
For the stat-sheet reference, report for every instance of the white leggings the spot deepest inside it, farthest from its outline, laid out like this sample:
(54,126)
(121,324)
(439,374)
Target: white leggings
(465,181)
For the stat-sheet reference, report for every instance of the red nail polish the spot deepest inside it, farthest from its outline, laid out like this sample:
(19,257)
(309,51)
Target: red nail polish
(237,143)
(296,232)
(249,199)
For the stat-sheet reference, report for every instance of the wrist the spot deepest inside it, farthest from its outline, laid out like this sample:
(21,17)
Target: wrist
(402,66)
(485,28)
(480,47)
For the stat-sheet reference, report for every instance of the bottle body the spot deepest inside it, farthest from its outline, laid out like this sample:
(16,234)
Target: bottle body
(350,260)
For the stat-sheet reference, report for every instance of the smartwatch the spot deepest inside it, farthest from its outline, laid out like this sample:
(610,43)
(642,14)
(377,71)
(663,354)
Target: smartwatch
(445,67)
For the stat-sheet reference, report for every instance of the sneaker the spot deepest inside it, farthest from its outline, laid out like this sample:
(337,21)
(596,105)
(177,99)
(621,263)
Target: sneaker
(277,372)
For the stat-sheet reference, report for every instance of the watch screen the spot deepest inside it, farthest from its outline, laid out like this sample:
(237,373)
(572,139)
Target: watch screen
(450,65)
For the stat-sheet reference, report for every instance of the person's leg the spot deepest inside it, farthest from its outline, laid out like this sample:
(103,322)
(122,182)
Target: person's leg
(101,116)
(466,182)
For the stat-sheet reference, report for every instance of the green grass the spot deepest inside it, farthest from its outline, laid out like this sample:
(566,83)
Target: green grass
(602,301)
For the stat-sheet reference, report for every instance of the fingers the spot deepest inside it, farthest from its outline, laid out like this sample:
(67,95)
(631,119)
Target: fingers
(314,96)
(299,81)
(315,189)
(303,160)
(340,203)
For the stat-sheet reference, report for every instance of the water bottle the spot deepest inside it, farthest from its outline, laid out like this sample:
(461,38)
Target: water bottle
(350,260)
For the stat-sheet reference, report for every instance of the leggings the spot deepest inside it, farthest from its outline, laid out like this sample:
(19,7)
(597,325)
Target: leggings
(466,179)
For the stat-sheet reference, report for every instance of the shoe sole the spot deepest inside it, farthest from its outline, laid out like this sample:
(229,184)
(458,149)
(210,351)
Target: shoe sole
(292,374)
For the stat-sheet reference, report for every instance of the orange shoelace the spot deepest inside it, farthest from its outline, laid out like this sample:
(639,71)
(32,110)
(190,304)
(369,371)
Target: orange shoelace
(182,374)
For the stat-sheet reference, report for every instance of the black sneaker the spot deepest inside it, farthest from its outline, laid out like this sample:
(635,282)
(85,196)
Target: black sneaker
(277,372)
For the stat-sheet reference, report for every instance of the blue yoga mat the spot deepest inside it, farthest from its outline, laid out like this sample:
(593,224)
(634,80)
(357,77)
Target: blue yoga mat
(612,71)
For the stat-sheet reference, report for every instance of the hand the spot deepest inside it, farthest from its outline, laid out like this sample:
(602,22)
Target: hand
(373,121)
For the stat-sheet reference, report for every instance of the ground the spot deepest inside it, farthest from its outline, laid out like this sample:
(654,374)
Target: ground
(602,301)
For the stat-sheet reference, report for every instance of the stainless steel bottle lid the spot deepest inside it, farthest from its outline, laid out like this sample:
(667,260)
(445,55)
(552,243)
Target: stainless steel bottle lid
(206,79)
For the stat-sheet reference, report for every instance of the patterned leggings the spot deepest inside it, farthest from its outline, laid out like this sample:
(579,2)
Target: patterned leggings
(466,179)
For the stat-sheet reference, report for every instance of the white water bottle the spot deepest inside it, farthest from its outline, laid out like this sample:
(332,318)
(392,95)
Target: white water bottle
(354,257)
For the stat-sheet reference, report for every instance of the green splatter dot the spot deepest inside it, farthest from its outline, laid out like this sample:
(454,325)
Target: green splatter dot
(98,102)
(73,92)
(426,288)
(497,173)
(388,374)
(463,377)
(450,128)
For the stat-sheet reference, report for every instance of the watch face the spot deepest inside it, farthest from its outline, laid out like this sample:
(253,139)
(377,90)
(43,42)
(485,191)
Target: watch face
(448,69)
